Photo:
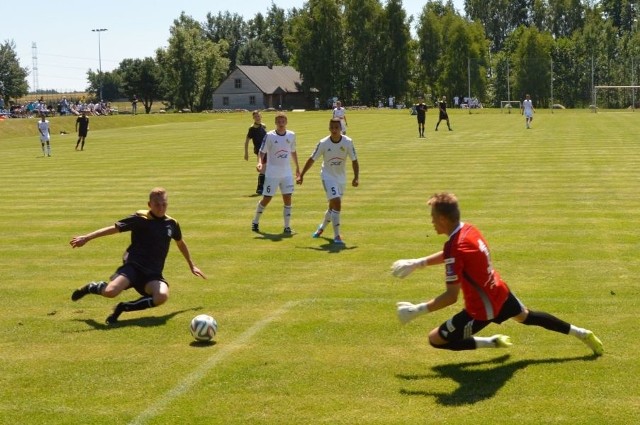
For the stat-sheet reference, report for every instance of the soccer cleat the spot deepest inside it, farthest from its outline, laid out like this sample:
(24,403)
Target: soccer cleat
(594,343)
(502,341)
(113,318)
(255,228)
(288,231)
(318,232)
(338,240)
(80,292)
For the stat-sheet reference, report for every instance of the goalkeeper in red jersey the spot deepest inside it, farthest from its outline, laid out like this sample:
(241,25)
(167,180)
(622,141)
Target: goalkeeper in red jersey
(487,298)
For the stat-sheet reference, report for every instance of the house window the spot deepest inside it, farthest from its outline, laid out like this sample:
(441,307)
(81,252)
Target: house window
(225,101)
(252,100)
(238,83)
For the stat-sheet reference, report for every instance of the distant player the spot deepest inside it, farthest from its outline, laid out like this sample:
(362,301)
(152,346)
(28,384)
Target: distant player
(442,113)
(340,113)
(334,150)
(256,133)
(527,110)
(151,234)
(82,127)
(45,135)
(487,298)
(276,152)
(421,112)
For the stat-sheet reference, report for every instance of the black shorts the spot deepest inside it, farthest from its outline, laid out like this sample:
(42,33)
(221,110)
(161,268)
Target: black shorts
(82,133)
(138,277)
(421,119)
(462,325)
(444,116)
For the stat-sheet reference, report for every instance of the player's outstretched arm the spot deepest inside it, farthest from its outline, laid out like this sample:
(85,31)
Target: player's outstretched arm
(307,167)
(403,268)
(78,241)
(184,250)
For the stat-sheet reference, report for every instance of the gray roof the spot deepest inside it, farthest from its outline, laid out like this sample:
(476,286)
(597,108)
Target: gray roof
(273,79)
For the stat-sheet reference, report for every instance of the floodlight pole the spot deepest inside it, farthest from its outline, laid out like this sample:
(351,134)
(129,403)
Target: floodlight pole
(552,85)
(99,30)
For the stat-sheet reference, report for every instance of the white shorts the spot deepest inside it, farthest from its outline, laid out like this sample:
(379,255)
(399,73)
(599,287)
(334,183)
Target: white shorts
(271,185)
(528,115)
(44,139)
(333,188)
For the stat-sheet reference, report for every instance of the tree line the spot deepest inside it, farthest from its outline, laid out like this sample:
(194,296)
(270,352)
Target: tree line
(363,51)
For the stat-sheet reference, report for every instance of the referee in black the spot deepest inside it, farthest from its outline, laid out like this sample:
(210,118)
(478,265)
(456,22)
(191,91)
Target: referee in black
(256,133)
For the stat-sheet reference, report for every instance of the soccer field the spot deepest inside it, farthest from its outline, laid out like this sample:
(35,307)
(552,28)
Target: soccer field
(307,331)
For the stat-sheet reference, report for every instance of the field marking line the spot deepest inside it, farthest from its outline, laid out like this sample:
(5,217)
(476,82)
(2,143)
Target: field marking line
(197,375)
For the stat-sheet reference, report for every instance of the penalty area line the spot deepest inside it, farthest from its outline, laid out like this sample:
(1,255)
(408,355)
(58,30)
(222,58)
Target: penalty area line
(196,376)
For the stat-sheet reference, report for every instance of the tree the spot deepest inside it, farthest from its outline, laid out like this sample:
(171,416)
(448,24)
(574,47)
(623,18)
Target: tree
(229,28)
(365,40)
(499,17)
(532,65)
(111,83)
(256,52)
(277,30)
(317,46)
(396,62)
(142,78)
(430,30)
(13,78)
(192,65)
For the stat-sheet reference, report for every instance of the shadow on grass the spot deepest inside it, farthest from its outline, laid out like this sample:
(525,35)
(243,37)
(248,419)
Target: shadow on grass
(475,385)
(329,246)
(143,322)
(202,344)
(273,237)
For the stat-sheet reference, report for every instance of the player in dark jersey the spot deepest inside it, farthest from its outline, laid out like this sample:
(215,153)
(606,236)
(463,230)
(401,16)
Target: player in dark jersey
(421,111)
(443,115)
(256,133)
(82,127)
(487,298)
(151,234)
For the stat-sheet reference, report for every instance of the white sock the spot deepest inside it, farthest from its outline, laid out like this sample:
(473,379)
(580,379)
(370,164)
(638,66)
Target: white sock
(484,342)
(578,332)
(335,221)
(259,209)
(286,213)
(327,219)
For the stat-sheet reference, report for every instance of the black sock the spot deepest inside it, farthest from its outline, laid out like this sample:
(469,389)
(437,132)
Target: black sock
(260,181)
(142,303)
(96,287)
(547,321)
(460,345)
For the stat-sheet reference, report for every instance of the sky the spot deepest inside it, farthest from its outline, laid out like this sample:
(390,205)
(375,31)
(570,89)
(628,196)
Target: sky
(66,46)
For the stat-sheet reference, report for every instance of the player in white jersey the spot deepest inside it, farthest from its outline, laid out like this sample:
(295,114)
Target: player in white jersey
(45,135)
(278,147)
(340,113)
(334,150)
(527,110)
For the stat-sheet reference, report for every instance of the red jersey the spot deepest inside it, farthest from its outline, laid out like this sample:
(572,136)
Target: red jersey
(468,263)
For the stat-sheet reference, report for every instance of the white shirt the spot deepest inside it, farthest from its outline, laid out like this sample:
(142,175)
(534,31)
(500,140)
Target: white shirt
(278,149)
(334,157)
(44,129)
(527,105)
(339,113)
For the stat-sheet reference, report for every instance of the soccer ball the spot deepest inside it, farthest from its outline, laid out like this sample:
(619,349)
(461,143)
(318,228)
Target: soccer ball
(203,327)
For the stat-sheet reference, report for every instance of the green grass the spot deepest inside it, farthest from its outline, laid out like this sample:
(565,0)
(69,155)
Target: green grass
(308,333)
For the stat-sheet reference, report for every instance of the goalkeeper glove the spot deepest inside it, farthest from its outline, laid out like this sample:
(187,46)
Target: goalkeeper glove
(408,311)
(403,268)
